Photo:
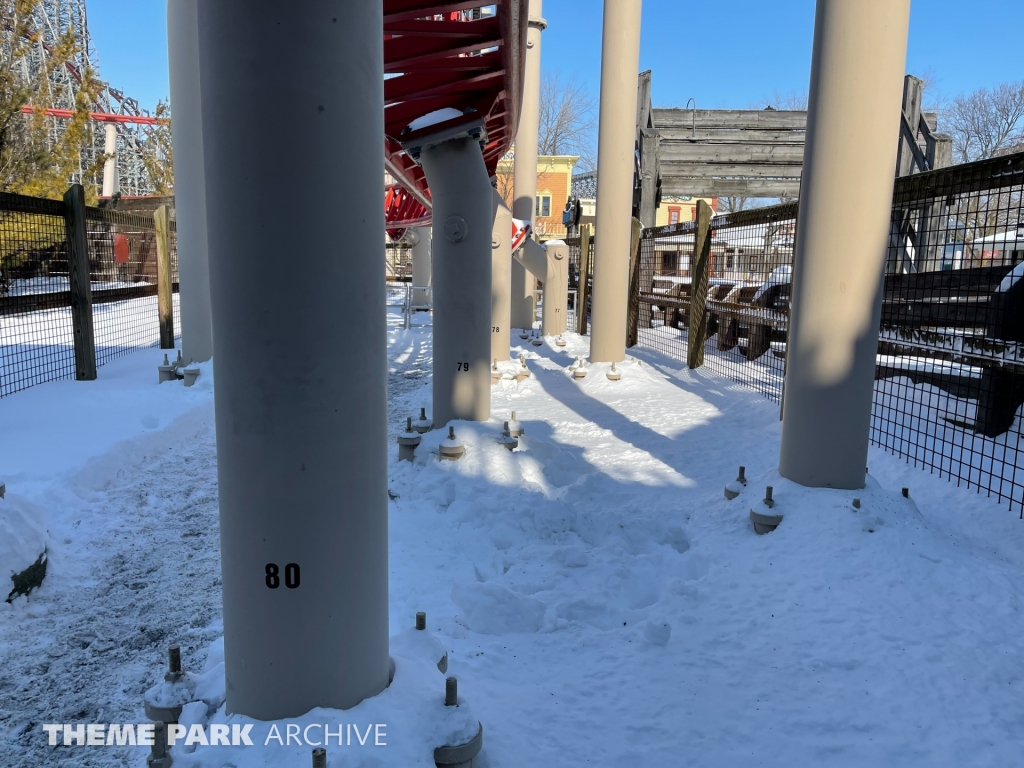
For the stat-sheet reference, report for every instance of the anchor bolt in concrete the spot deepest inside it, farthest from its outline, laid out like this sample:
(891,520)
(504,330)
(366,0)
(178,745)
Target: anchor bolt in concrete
(451,449)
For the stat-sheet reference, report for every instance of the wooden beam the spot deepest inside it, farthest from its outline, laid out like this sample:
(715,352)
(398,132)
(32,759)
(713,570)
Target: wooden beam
(730,118)
(684,151)
(679,186)
(643,102)
(738,170)
(649,173)
(733,135)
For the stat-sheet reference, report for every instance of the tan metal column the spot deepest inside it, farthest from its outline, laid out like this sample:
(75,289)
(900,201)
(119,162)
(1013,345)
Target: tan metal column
(189,181)
(556,289)
(523,309)
(525,179)
(849,163)
(302,442)
(421,270)
(620,60)
(463,214)
(501,279)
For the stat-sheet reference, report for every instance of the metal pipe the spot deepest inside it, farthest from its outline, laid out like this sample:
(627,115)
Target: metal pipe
(111,181)
(856,79)
(302,443)
(549,263)
(421,266)
(620,61)
(501,278)
(189,180)
(525,173)
(463,212)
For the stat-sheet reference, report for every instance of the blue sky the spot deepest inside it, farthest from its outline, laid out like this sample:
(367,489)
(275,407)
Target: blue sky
(725,55)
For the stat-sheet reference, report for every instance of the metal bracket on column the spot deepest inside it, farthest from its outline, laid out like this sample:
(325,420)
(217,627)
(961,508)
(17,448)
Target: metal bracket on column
(472,130)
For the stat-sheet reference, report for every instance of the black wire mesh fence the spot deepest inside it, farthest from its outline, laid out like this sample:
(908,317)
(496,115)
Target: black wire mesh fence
(949,375)
(747,305)
(581,282)
(37,339)
(123,268)
(36,334)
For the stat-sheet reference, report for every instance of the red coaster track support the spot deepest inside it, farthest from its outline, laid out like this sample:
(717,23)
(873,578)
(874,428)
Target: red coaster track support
(445,56)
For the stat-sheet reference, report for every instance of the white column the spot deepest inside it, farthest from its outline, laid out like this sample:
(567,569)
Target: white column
(111,180)
(849,166)
(620,60)
(421,271)
(300,375)
(463,213)
(501,279)
(189,180)
(525,178)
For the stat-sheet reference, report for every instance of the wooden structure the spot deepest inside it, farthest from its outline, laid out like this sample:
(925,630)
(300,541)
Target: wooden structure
(914,232)
(756,153)
(730,153)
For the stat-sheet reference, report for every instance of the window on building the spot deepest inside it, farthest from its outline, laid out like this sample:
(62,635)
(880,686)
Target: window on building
(673,215)
(543,205)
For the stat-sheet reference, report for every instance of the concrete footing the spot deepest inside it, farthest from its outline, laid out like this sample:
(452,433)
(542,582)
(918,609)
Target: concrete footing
(408,441)
(451,449)
(461,756)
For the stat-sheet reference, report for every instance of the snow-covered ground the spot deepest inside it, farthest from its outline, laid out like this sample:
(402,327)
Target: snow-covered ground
(600,601)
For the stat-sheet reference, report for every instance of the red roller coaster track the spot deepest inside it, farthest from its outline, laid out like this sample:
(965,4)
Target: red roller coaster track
(436,56)
(101,117)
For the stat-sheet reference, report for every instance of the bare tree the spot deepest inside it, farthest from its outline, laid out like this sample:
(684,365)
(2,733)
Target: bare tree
(792,100)
(732,204)
(567,120)
(986,122)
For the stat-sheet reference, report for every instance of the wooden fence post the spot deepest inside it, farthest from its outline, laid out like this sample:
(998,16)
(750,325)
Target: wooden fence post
(699,286)
(633,307)
(583,296)
(164,279)
(81,287)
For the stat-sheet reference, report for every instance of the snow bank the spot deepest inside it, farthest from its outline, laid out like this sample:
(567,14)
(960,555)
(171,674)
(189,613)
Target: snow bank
(22,544)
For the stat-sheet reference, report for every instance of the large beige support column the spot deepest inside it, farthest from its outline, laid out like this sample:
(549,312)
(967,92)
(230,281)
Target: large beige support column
(525,179)
(111,181)
(849,160)
(301,395)
(421,271)
(463,215)
(620,60)
(189,180)
(501,279)
(524,310)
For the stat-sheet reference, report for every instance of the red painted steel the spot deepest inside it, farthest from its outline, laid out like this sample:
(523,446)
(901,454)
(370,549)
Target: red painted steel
(436,56)
(101,117)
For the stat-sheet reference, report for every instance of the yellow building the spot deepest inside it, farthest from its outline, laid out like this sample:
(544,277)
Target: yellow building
(554,183)
(674,210)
